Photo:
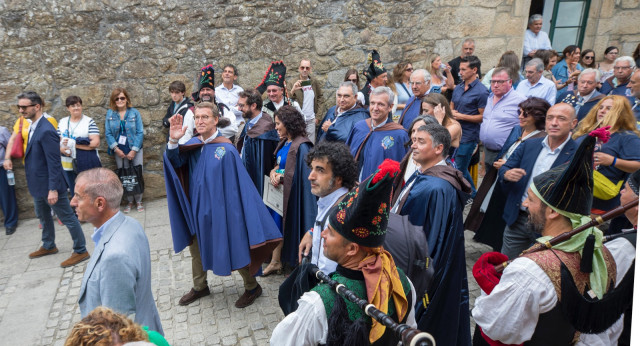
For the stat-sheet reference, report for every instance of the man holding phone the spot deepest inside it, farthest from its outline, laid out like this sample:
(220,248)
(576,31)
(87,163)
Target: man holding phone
(306,91)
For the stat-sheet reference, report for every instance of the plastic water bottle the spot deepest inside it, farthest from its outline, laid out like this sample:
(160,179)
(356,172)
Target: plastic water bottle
(11,178)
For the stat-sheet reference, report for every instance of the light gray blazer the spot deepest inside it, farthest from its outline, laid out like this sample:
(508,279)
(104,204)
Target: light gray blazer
(119,274)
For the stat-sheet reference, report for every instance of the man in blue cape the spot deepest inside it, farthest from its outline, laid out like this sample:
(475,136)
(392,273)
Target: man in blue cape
(378,138)
(420,81)
(258,138)
(214,207)
(340,119)
(434,199)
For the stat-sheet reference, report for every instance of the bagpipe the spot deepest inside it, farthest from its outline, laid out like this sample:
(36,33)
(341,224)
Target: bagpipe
(598,220)
(409,336)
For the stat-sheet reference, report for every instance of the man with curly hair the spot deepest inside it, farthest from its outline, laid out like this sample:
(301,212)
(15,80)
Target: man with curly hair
(333,174)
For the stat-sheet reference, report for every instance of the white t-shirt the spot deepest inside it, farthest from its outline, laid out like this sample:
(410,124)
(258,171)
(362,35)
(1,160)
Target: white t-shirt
(68,129)
(307,102)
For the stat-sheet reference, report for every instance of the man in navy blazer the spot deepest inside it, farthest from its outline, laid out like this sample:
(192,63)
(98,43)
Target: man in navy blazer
(46,183)
(531,158)
(119,273)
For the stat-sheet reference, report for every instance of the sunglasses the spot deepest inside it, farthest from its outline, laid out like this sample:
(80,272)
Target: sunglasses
(120,99)
(589,57)
(24,108)
(305,68)
(409,69)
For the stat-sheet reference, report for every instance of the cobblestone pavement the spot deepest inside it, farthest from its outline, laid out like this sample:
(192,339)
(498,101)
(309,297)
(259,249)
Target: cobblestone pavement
(38,299)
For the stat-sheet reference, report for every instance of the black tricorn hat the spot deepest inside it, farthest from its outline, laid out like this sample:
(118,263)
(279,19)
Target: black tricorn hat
(362,215)
(373,67)
(274,76)
(569,187)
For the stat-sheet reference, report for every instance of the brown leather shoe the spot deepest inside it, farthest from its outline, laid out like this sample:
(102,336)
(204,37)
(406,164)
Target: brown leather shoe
(43,252)
(248,297)
(193,295)
(75,259)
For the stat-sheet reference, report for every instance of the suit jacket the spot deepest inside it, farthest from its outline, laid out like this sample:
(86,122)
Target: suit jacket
(298,96)
(42,163)
(525,157)
(119,274)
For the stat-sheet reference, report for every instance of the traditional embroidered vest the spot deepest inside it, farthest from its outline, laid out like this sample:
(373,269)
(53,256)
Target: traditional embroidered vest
(270,108)
(354,281)
(553,327)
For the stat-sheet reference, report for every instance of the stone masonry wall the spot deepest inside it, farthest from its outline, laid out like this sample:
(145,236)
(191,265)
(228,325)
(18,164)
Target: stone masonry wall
(613,23)
(87,47)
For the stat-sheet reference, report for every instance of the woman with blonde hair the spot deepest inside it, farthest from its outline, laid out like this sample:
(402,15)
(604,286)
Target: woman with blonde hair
(617,158)
(401,74)
(441,78)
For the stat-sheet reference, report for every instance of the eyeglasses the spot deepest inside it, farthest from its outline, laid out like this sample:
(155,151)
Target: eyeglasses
(120,99)
(305,68)
(499,81)
(416,83)
(621,67)
(353,80)
(203,118)
(409,69)
(523,113)
(588,57)
(24,108)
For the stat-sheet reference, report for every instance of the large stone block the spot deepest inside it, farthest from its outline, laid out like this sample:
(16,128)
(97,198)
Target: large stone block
(505,24)
(327,39)
(269,45)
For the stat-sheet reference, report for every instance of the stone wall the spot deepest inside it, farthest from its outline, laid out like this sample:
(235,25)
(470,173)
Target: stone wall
(87,47)
(613,23)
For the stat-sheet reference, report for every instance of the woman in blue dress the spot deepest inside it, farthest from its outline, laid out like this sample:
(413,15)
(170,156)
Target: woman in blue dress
(291,171)
(401,74)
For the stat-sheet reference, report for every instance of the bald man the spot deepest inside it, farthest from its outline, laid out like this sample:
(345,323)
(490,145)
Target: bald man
(532,157)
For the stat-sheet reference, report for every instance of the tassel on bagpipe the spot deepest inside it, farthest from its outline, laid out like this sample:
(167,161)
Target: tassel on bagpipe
(409,336)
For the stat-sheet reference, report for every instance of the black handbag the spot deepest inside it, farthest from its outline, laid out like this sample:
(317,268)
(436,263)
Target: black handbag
(131,178)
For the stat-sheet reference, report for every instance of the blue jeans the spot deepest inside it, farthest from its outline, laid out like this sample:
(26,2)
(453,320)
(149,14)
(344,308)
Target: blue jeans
(8,201)
(462,159)
(70,178)
(68,218)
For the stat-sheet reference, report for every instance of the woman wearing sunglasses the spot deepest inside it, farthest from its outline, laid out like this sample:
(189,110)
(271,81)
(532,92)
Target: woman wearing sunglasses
(124,132)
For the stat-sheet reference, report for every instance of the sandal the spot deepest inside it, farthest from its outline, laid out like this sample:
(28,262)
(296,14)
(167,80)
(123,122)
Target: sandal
(140,207)
(273,268)
(127,209)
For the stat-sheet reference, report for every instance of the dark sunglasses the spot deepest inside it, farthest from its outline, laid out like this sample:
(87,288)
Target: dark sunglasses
(120,99)
(24,108)
(589,57)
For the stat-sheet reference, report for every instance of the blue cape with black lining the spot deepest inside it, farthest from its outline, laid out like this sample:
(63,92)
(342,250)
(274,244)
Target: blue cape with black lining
(436,202)
(211,196)
(339,131)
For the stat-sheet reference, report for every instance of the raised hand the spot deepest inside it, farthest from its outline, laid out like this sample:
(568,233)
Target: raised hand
(176,130)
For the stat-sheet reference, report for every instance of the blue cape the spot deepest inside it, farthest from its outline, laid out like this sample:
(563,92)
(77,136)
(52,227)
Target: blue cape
(222,208)
(339,131)
(437,206)
(300,205)
(257,155)
(410,112)
(381,144)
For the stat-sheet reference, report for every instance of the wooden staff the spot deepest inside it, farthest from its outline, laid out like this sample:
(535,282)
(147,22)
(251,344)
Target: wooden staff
(598,220)
(409,336)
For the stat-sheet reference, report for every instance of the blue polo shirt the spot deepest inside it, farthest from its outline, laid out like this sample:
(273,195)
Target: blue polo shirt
(470,102)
